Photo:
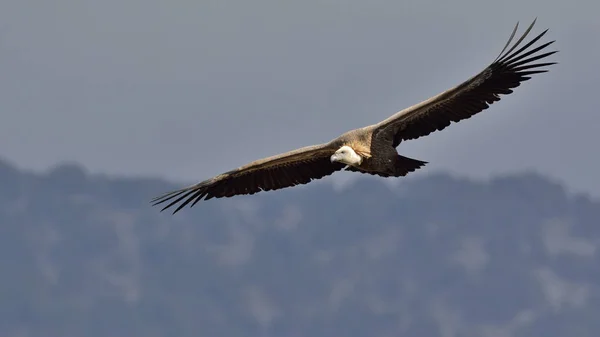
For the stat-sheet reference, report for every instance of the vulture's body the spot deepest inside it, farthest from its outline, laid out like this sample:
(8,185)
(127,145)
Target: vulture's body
(372,149)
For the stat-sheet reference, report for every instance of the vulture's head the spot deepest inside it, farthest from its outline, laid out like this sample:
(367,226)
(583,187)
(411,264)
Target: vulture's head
(346,155)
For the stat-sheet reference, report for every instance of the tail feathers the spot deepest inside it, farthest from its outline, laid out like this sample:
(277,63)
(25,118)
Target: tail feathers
(402,166)
(405,165)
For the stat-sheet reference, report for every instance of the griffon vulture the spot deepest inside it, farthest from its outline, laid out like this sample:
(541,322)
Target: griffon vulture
(372,149)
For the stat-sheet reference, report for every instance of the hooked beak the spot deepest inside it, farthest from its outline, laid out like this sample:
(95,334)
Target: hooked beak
(333,158)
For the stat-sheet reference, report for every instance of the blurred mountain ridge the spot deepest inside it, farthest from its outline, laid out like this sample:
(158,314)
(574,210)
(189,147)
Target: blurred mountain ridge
(436,255)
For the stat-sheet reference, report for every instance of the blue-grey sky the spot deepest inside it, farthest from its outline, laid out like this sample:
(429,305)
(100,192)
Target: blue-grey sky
(188,89)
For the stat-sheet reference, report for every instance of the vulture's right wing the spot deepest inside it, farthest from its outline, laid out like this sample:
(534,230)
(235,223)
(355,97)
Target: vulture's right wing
(292,168)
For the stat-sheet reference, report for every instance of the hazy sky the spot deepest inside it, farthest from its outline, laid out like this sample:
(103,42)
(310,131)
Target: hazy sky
(188,89)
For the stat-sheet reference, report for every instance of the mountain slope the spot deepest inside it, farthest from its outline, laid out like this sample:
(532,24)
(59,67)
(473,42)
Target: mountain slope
(86,255)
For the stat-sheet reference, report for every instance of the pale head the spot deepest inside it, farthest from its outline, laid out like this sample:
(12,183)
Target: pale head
(346,155)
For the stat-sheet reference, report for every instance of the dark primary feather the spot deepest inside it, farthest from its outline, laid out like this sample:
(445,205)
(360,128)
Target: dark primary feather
(507,72)
(249,181)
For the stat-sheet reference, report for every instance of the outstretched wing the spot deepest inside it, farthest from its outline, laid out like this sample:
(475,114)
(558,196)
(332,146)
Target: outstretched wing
(470,97)
(292,168)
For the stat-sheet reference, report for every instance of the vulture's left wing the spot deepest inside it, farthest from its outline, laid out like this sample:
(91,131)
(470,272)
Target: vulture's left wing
(470,97)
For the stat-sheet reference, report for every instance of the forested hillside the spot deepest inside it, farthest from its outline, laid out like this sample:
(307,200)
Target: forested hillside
(436,256)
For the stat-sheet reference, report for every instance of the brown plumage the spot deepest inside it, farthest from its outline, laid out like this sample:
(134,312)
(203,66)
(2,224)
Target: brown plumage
(372,149)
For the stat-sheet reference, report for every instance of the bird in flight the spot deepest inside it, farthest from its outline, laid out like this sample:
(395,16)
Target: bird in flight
(372,149)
